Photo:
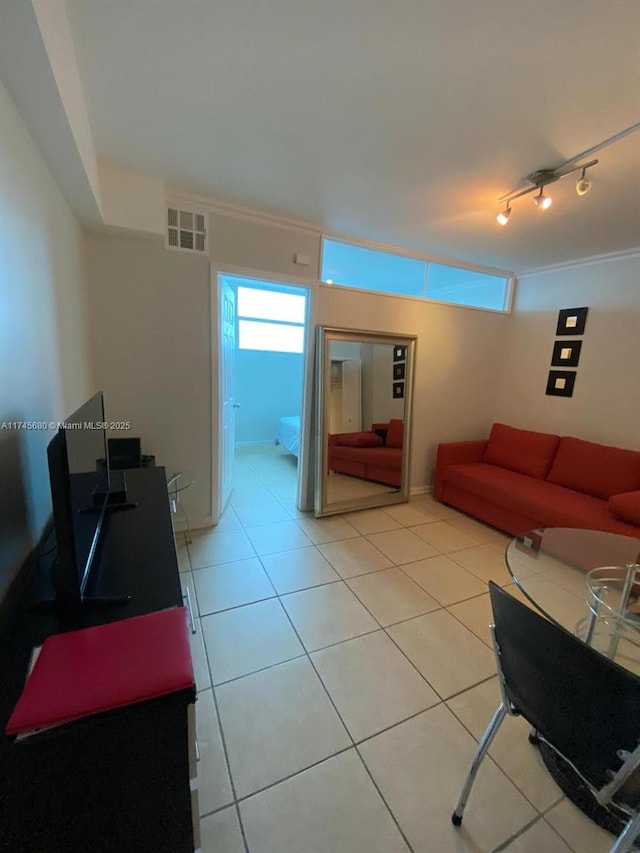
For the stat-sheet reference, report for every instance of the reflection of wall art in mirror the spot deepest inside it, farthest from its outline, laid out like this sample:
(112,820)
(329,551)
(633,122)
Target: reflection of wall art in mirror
(572,321)
(566,353)
(560,383)
(398,390)
(398,370)
(399,353)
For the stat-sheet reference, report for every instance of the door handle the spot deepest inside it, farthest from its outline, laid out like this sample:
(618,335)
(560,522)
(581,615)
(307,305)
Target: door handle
(236,405)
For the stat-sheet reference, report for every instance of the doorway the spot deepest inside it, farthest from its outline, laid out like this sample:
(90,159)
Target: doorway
(262,369)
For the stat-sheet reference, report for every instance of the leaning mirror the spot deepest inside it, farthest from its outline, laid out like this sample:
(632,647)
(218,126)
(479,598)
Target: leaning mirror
(364,388)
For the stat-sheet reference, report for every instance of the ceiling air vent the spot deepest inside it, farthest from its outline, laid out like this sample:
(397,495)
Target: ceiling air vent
(186,231)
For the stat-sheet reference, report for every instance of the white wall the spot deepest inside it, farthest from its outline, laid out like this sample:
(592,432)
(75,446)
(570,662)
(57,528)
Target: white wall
(241,242)
(605,405)
(132,201)
(151,344)
(45,368)
(268,387)
(385,405)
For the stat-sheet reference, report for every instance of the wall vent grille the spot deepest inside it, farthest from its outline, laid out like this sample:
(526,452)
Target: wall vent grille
(186,231)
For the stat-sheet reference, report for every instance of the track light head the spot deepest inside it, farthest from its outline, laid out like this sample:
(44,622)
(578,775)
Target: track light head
(540,179)
(583,184)
(542,201)
(503,216)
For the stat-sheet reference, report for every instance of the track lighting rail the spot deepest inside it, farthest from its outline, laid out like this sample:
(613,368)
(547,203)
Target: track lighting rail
(542,177)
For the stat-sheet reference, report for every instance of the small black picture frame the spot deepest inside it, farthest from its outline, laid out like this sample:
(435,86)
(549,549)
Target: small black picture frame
(560,383)
(399,353)
(398,370)
(398,390)
(572,321)
(566,353)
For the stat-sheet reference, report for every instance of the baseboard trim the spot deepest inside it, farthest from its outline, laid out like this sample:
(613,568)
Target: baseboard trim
(180,525)
(421,490)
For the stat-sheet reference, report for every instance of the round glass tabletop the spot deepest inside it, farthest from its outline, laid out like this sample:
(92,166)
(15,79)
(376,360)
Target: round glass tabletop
(579,579)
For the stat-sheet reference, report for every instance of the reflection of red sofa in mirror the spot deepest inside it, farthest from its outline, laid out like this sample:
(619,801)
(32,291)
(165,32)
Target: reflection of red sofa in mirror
(374,455)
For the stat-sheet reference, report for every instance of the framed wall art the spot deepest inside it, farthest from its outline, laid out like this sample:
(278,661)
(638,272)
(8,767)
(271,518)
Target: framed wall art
(566,353)
(572,321)
(399,353)
(399,369)
(560,383)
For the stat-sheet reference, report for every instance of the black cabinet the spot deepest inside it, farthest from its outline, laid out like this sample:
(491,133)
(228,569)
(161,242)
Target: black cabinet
(120,780)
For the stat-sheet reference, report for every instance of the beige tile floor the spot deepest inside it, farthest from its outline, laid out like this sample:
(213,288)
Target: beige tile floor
(344,676)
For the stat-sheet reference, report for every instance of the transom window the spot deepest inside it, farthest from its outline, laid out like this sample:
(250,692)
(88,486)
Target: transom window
(351,265)
(270,320)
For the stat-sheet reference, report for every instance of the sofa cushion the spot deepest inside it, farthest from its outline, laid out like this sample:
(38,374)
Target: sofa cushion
(521,450)
(626,506)
(395,433)
(543,502)
(359,439)
(383,457)
(595,469)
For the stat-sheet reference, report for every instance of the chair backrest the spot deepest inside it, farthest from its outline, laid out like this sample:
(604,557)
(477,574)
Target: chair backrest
(124,453)
(581,702)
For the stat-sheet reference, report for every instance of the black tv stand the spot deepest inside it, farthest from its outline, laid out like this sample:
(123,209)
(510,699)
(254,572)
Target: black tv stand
(117,507)
(73,609)
(119,780)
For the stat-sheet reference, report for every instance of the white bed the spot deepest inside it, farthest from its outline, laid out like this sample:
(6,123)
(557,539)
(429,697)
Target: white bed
(288,434)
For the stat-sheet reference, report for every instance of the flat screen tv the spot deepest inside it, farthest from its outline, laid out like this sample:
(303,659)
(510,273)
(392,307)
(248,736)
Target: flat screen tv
(79,477)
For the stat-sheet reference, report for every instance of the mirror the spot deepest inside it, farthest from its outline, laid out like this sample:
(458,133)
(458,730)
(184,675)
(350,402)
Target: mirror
(364,385)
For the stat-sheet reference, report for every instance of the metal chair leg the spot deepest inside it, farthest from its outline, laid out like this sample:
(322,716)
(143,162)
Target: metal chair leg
(186,518)
(481,751)
(624,842)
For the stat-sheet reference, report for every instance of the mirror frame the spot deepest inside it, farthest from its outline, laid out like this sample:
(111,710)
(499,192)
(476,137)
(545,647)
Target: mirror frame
(325,335)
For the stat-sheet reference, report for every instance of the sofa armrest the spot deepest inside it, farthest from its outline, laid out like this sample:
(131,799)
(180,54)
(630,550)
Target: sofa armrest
(455,453)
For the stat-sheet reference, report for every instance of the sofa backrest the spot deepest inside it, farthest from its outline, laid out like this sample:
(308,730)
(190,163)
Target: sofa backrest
(595,469)
(521,450)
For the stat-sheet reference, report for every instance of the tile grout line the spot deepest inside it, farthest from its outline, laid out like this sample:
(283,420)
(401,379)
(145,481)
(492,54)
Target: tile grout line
(346,728)
(507,842)
(223,742)
(443,700)
(384,629)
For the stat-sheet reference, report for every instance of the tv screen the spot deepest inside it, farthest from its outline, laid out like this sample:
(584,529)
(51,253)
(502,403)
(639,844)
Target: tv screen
(79,476)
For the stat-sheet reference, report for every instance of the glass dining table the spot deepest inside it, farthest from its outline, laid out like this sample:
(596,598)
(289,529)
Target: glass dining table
(587,581)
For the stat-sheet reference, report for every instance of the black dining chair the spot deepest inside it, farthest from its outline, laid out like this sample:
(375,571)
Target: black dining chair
(585,706)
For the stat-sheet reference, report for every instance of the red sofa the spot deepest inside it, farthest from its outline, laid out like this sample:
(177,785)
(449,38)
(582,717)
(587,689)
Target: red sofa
(517,480)
(373,455)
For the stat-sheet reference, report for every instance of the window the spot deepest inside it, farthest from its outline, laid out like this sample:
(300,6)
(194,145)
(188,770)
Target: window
(370,269)
(270,320)
(350,265)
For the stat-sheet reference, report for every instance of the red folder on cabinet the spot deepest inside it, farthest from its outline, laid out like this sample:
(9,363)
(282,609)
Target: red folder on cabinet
(109,666)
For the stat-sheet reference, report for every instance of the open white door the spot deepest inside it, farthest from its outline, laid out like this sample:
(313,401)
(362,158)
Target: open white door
(228,403)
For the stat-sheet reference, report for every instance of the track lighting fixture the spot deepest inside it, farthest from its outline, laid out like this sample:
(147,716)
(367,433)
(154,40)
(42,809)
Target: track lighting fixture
(583,184)
(538,180)
(543,201)
(503,216)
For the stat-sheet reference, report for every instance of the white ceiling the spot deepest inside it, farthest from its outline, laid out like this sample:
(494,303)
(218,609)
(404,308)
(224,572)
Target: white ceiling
(393,120)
